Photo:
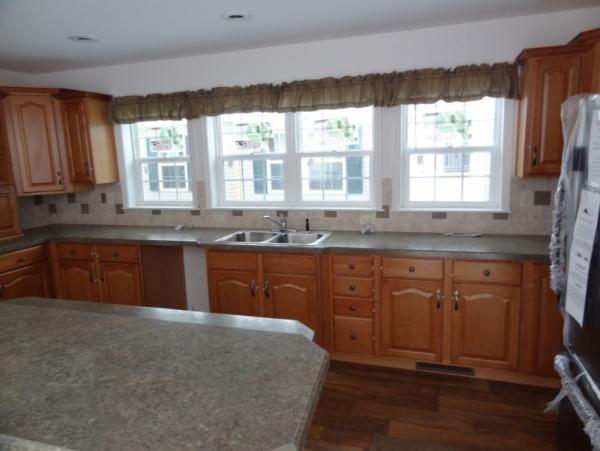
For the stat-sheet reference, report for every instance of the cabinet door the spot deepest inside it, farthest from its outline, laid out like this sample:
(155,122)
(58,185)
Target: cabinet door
(120,283)
(10,225)
(78,280)
(28,281)
(485,325)
(553,79)
(292,297)
(233,292)
(77,141)
(35,148)
(412,319)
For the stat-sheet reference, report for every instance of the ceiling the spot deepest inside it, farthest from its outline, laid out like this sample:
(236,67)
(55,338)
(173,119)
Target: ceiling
(33,33)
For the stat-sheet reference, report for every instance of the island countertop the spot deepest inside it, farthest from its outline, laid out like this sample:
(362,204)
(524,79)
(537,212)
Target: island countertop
(492,247)
(85,376)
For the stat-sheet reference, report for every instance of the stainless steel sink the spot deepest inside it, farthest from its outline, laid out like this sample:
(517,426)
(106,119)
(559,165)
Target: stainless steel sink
(248,236)
(264,237)
(298,238)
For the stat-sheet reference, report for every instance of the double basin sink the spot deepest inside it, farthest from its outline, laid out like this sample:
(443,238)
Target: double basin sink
(264,237)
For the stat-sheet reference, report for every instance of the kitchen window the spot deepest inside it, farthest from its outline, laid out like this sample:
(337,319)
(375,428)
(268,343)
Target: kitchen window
(320,159)
(158,164)
(452,156)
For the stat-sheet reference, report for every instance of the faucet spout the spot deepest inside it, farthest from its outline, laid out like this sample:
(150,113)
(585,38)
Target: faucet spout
(281,224)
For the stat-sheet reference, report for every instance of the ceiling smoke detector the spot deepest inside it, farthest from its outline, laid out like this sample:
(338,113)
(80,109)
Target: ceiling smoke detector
(81,38)
(235,17)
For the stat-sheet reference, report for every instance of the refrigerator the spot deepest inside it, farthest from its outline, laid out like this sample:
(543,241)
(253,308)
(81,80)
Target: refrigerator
(575,253)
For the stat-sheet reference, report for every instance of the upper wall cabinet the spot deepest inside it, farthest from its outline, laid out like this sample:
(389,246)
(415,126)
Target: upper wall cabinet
(58,140)
(549,76)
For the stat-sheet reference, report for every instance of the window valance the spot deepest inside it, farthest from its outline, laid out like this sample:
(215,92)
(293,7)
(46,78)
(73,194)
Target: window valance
(462,83)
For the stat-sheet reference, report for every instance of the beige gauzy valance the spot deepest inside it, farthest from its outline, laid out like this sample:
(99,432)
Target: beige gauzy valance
(415,86)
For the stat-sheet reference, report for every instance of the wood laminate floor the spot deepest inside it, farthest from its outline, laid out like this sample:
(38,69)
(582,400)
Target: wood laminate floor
(473,414)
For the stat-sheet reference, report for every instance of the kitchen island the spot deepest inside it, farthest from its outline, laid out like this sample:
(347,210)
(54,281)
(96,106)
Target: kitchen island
(87,376)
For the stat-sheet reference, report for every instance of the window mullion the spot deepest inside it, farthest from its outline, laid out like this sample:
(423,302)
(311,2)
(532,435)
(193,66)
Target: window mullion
(292,176)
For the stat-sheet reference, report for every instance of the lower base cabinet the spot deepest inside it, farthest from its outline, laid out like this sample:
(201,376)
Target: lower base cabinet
(29,281)
(292,297)
(77,280)
(233,292)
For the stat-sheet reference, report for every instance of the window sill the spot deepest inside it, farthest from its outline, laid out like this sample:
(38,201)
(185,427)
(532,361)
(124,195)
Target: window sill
(292,208)
(451,210)
(160,207)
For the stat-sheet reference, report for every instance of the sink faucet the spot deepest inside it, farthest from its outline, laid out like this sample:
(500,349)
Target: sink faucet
(281,224)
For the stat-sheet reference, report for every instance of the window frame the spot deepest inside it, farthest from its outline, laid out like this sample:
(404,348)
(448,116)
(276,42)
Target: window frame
(500,165)
(292,178)
(130,165)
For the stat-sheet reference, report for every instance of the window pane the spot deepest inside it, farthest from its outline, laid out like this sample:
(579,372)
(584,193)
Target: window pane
(341,130)
(480,164)
(422,165)
(476,189)
(448,189)
(252,133)
(166,182)
(421,189)
(335,178)
(253,180)
(161,139)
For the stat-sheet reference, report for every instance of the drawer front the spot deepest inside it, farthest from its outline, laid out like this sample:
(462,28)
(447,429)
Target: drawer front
(110,253)
(238,261)
(506,273)
(289,264)
(21,258)
(413,268)
(74,251)
(353,307)
(354,287)
(353,335)
(353,265)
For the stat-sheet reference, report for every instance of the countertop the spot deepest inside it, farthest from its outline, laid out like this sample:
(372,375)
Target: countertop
(495,247)
(87,376)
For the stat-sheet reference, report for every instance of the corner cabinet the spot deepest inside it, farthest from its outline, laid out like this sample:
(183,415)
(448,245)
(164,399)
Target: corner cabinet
(24,273)
(271,285)
(10,223)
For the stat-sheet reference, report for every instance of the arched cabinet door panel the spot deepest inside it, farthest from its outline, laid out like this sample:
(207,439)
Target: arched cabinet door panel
(292,297)
(233,292)
(25,282)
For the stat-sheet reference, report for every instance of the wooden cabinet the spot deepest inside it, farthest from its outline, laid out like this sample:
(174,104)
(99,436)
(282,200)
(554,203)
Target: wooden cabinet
(411,319)
(58,140)
(270,284)
(485,325)
(550,75)
(99,273)
(89,139)
(10,223)
(24,273)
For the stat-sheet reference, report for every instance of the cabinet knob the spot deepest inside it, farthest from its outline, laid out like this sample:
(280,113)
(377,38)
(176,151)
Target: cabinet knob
(20,260)
(352,287)
(115,254)
(72,252)
(352,266)
(486,273)
(353,307)
(353,336)
(411,269)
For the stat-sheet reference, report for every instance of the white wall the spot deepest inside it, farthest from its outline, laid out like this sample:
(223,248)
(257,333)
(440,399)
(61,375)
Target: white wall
(10,78)
(447,46)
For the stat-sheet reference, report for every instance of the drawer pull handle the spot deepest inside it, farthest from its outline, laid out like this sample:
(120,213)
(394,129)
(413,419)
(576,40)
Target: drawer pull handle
(353,336)
(72,252)
(352,287)
(115,254)
(486,273)
(438,298)
(351,266)
(455,299)
(353,307)
(253,288)
(411,269)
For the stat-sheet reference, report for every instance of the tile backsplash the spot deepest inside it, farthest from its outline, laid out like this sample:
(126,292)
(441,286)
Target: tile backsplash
(531,212)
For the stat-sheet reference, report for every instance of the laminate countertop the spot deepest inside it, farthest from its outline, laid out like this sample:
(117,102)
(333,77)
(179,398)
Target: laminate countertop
(86,376)
(494,247)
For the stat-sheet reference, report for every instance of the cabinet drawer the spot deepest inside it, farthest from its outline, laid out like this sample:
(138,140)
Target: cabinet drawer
(110,253)
(413,268)
(289,264)
(352,265)
(238,261)
(74,251)
(21,258)
(354,286)
(353,307)
(353,335)
(492,272)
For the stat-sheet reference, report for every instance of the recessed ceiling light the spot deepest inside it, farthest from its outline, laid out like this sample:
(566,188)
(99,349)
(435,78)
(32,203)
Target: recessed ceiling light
(82,38)
(236,16)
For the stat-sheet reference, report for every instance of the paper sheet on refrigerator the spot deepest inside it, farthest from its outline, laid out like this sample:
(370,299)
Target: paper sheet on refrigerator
(593,176)
(581,254)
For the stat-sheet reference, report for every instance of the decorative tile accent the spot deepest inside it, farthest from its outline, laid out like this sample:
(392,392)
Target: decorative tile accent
(119,209)
(330,214)
(103,198)
(385,214)
(85,209)
(156,212)
(500,216)
(71,198)
(195,212)
(542,197)
(52,209)
(237,212)
(281,212)
(438,215)
(38,200)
